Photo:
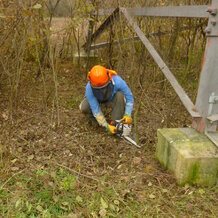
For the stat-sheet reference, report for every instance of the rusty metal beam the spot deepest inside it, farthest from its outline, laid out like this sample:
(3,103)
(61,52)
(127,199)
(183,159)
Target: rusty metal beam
(206,102)
(193,11)
(170,77)
(109,21)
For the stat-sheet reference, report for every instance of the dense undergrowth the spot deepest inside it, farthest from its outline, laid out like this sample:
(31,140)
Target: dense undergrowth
(54,163)
(77,170)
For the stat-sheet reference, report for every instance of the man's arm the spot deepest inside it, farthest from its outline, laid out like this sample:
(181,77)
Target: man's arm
(94,105)
(124,88)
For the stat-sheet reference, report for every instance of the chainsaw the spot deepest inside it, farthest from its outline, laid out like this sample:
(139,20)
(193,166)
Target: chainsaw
(124,130)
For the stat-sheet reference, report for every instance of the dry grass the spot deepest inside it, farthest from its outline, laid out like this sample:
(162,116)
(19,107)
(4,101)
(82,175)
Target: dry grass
(78,169)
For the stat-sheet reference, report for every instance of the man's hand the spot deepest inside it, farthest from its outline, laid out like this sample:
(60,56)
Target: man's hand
(126,119)
(111,129)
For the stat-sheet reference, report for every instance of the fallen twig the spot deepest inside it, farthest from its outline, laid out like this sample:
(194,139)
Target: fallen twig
(11,178)
(79,174)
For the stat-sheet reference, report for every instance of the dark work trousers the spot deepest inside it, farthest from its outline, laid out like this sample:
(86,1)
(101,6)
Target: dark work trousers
(117,104)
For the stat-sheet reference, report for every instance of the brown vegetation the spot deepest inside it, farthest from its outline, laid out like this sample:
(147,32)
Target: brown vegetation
(53,162)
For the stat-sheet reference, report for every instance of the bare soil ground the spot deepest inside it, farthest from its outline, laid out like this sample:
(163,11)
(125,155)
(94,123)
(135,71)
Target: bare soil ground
(77,170)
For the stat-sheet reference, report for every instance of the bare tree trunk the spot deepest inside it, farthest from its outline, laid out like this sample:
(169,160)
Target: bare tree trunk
(190,52)
(173,40)
(55,80)
(110,49)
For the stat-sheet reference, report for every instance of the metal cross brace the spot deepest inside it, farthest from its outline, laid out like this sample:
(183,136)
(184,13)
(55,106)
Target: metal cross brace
(170,77)
(192,11)
(209,76)
(108,22)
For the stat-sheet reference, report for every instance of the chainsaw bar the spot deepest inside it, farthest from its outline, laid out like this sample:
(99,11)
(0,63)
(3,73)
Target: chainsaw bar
(123,131)
(131,141)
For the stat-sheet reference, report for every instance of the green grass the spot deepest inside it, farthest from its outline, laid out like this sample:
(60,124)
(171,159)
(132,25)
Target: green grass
(31,197)
(54,192)
(58,193)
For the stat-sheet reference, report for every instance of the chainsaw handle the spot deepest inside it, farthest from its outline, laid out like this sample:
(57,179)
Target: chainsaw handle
(119,128)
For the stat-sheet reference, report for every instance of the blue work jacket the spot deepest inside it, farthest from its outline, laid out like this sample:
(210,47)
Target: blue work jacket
(119,85)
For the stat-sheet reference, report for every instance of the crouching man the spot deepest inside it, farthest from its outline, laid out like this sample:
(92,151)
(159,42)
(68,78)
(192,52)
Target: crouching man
(105,86)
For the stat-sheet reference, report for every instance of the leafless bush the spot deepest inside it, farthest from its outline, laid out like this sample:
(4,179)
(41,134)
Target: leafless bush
(24,39)
(180,42)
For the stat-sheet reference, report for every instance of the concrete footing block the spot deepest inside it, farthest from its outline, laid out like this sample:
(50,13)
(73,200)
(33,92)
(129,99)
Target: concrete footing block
(84,57)
(189,155)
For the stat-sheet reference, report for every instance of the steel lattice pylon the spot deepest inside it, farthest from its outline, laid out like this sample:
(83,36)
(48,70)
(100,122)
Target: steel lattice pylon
(205,111)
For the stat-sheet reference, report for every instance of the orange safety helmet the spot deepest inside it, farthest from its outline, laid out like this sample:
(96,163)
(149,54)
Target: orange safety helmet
(99,76)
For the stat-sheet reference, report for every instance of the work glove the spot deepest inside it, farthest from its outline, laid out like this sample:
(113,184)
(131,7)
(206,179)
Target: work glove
(126,119)
(111,129)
